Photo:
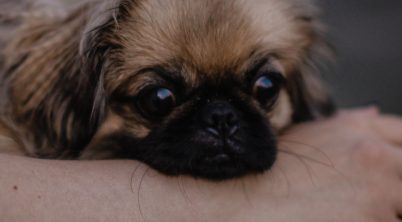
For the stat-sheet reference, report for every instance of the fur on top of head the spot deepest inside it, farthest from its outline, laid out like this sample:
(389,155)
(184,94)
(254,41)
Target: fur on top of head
(69,80)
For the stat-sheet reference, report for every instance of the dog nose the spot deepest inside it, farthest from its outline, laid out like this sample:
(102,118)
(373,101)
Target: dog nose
(221,119)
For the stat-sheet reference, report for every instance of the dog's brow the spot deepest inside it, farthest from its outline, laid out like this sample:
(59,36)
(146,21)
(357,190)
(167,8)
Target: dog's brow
(254,67)
(162,72)
(173,76)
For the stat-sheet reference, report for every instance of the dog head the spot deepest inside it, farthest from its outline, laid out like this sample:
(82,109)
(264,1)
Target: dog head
(195,87)
(203,87)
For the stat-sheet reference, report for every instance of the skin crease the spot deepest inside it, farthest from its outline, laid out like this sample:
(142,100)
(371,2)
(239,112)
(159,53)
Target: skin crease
(347,168)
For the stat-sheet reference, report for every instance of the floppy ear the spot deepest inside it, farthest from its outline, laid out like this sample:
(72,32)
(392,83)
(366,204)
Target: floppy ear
(309,98)
(95,45)
(309,94)
(54,75)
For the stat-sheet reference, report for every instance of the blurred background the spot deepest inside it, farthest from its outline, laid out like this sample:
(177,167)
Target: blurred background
(367,35)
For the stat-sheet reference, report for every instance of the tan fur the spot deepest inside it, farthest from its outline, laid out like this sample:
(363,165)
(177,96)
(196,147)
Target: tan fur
(211,41)
(208,38)
(222,36)
(8,144)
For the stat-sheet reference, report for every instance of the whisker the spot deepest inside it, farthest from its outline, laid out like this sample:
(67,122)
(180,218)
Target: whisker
(139,193)
(183,190)
(303,158)
(311,147)
(306,157)
(287,180)
(306,165)
(246,195)
(133,175)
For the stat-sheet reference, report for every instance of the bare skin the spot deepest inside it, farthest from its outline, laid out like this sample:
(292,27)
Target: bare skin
(348,168)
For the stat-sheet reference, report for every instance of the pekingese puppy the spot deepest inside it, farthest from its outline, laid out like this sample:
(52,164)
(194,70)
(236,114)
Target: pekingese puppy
(194,87)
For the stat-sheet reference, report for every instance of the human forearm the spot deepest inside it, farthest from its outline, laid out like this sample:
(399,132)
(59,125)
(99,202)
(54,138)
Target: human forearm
(64,191)
(45,190)
(334,170)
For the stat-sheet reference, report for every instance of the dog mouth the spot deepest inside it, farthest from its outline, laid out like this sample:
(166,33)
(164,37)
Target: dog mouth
(205,156)
(219,158)
(223,167)
(231,159)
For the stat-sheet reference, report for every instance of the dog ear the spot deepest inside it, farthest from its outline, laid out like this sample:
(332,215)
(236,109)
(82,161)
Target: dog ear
(309,94)
(95,45)
(60,63)
(309,97)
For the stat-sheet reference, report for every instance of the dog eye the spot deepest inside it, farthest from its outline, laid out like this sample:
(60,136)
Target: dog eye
(266,88)
(156,103)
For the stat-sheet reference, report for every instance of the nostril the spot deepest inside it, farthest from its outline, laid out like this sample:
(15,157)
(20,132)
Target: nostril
(233,130)
(231,119)
(215,119)
(213,131)
(221,119)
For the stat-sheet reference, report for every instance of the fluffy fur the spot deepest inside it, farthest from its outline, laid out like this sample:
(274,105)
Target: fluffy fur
(69,79)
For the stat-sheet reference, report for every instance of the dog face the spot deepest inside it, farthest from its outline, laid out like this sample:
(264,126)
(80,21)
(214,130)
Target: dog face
(202,85)
(198,87)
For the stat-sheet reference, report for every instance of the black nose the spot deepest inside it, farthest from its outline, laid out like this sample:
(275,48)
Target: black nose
(221,119)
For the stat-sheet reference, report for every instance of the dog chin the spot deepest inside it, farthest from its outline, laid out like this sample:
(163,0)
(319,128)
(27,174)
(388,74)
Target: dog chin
(214,160)
(224,166)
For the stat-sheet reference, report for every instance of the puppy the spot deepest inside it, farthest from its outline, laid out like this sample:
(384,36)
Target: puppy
(190,87)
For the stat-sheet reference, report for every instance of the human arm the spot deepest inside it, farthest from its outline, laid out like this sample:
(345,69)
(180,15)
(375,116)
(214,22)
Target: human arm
(348,168)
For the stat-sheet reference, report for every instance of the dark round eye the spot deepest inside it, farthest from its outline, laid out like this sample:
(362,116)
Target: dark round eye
(156,103)
(266,89)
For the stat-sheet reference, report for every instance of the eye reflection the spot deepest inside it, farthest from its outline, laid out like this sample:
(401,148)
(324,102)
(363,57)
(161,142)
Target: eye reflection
(264,83)
(156,103)
(164,94)
(266,89)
